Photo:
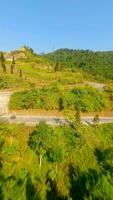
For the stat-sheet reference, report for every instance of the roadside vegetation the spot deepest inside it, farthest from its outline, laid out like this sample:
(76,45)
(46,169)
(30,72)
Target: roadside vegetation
(46,163)
(84,98)
(13,82)
(65,67)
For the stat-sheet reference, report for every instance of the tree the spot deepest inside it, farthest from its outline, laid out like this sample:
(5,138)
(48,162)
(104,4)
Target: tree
(20,73)
(56,156)
(39,140)
(60,103)
(3,63)
(75,119)
(105,159)
(96,120)
(56,66)
(12,65)
(103,189)
(77,116)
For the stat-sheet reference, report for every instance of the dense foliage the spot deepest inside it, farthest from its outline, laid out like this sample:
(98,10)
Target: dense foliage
(109,91)
(85,98)
(62,163)
(98,64)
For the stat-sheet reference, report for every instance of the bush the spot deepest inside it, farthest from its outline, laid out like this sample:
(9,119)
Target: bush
(10,81)
(85,98)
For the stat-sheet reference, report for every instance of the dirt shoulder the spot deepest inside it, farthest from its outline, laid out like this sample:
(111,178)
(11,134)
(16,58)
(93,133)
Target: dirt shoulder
(40,112)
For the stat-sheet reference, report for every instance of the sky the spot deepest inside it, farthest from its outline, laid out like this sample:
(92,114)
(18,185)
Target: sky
(47,24)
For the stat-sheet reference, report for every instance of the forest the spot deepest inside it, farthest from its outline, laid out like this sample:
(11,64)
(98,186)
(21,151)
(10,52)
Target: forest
(61,163)
(98,64)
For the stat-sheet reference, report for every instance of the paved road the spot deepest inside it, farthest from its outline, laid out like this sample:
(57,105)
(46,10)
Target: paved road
(102,120)
(99,86)
(33,120)
(4,100)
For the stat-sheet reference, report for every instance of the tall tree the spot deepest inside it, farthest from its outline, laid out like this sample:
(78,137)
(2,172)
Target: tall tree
(3,63)
(61,104)
(12,65)
(56,68)
(40,139)
(77,116)
(96,119)
(20,73)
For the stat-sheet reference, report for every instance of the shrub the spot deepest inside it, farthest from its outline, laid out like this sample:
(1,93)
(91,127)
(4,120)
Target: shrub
(85,98)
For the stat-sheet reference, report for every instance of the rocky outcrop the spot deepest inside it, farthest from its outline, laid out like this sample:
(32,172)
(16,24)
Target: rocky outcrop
(19,54)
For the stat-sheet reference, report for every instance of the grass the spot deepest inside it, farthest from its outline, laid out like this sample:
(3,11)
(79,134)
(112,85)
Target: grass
(40,76)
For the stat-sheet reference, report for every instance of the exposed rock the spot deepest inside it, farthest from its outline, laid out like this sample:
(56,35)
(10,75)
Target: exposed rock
(18,54)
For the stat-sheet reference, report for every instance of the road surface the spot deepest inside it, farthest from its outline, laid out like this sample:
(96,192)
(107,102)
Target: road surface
(99,86)
(33,120)
(4,101)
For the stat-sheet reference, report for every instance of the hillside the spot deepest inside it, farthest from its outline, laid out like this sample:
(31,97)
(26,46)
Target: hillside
(98,64)
(58,82)
(71,161)
(25,55)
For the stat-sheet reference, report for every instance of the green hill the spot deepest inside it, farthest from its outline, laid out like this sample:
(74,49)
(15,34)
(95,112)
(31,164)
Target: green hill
(26,55)
(98,64)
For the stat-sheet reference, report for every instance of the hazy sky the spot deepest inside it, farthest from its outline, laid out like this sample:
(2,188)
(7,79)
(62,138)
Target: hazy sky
(40,24)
